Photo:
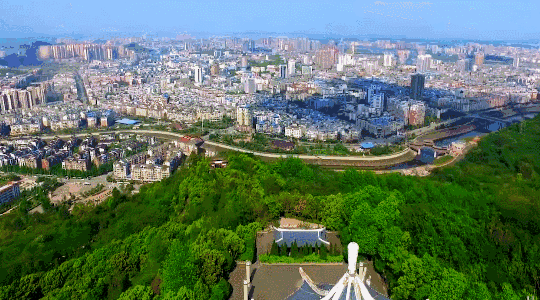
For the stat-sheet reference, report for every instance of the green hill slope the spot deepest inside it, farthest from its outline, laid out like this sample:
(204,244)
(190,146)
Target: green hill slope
(470,231)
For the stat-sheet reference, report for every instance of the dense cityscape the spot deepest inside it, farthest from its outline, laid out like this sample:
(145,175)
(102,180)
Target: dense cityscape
(382,160)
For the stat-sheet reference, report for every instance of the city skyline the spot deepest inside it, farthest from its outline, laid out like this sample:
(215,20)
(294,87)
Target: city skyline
(462,20)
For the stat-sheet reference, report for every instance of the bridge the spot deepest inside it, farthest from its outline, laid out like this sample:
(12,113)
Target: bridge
(417,146)
(429,139)
(492,119)
(445,133)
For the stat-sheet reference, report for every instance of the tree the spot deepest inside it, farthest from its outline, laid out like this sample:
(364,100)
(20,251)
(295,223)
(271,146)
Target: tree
(323,252)
(284,250)
(301,251)
(305,249)
(477,291)
(179,269)
(212,265)
(182,294)
(333,213)
(221,291)
(274,250)
(363,229)
(452,285)
(294,250)
(394,244)
(138,292)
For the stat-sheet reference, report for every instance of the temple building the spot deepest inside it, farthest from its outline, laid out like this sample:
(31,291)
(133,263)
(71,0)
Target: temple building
(312,237)
(352,286)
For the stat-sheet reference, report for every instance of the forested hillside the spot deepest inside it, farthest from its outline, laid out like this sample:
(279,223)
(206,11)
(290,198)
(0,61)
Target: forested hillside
(470,231)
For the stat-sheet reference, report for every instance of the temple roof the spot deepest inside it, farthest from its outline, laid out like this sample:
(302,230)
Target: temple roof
(301,236)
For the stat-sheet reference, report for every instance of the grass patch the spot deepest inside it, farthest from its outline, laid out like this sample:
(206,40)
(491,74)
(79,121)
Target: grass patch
(313,258)
(442,160)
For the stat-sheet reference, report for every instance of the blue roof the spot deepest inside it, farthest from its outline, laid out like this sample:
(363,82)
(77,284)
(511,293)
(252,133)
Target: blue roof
(302,237)
(367,145)
(127,121)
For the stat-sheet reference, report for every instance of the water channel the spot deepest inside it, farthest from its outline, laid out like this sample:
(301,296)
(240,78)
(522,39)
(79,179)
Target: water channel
(483,127)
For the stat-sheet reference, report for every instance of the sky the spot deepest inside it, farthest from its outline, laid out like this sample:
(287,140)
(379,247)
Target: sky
(480,20)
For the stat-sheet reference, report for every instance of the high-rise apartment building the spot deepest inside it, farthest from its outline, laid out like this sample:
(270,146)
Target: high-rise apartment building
(403,55)
(423,63)
(249,86)
(283,71)
(244,62)
(84,51)
(291,67)
(417,86)
(214,70)
(243,116)
(464,65)
(417,112)
(198,75)
(327,57)
(388,59)
(479,58)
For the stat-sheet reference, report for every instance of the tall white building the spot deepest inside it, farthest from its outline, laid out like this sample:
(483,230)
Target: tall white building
(291,67)
(249,86)
(376,102)
(198,75)
(423,63)
(388,59)
(283,71)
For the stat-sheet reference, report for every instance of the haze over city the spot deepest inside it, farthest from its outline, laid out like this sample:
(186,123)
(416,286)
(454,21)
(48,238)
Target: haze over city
(477,20)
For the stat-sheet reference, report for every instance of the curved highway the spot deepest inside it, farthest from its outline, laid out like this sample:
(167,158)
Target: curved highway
(326,158)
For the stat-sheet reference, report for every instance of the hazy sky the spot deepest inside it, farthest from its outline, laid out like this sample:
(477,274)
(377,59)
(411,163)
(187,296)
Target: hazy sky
(487,20)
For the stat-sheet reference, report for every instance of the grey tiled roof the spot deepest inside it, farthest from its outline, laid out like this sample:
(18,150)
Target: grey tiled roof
(306,293)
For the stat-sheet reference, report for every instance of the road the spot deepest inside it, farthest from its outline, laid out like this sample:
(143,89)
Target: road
(81,91)
(173,135)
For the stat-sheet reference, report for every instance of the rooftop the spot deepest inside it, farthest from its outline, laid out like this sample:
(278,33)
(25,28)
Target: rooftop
(301,236)
(127,121)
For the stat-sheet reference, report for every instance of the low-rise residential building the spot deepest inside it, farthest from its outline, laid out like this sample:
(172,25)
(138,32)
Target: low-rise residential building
(122,169)
(80,164)
(149,172)
(295,131)
(30,161)
(20,129)
(51,161)
(189,145)
(381,126)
